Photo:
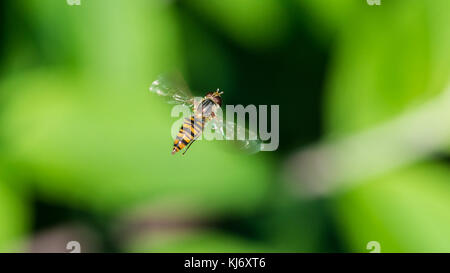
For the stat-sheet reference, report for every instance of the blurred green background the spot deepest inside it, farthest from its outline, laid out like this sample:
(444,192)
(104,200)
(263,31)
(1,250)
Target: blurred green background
(85,148)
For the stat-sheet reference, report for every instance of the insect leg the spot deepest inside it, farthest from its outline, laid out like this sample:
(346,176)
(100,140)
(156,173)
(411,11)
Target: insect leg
(189,145)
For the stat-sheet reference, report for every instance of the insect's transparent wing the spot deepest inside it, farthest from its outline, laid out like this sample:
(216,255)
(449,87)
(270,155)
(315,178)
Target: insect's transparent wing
(244,139)
(173,89)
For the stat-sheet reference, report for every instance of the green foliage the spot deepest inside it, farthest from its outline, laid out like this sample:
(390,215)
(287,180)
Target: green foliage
(388,60)
(252,23)
(405,211)
(13,218)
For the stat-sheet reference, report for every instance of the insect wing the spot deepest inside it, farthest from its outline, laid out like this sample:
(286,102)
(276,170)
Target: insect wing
(245,139)
(173,89)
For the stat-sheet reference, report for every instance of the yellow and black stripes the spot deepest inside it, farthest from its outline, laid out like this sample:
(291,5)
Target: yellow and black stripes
(189,131)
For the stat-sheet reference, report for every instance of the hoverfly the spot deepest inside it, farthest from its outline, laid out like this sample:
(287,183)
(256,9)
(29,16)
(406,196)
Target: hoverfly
(175,91)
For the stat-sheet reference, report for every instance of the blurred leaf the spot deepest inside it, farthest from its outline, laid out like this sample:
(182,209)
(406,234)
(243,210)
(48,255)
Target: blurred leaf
(326,18)
(13,218)
(93,41)
(396,62)
(392,66)
(405,211)
(253,23)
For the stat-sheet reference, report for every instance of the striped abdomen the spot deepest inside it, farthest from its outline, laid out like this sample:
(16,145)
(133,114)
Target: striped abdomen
(191,129)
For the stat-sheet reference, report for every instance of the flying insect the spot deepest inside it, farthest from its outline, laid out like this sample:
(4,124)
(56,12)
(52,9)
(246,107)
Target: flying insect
(175,91)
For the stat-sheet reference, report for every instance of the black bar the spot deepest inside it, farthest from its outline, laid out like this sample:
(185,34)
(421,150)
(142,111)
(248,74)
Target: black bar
(225,262)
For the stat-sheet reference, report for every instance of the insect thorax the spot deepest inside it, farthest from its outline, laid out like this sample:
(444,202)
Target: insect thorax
(205,108)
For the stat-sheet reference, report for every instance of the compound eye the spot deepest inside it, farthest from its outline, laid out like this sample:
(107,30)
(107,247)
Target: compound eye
(218,100)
